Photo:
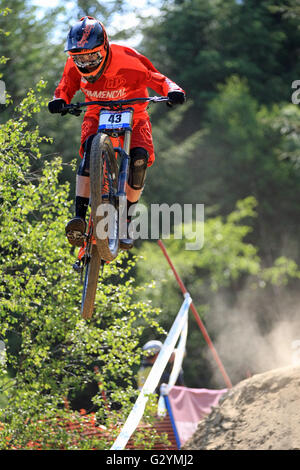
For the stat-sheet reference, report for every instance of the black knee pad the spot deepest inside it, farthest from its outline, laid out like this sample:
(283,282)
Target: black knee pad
(84,167)
(138,165)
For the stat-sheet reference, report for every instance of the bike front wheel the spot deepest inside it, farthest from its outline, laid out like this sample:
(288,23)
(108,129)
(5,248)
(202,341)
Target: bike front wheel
(104,187)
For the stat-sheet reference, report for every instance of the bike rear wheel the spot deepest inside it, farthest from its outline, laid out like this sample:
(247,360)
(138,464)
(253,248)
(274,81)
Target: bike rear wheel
(104,187)
(92,267)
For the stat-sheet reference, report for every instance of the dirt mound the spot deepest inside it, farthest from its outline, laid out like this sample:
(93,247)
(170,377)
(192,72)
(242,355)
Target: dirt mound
(259,413)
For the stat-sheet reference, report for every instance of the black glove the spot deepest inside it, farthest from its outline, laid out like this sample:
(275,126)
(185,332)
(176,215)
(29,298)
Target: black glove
(176,97)
(56,106)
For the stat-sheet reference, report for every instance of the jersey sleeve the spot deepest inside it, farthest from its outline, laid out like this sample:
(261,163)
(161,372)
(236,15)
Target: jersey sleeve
(156,80)
(69,83)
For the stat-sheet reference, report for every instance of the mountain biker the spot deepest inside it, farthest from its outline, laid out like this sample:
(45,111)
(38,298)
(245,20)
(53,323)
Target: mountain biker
(104,71)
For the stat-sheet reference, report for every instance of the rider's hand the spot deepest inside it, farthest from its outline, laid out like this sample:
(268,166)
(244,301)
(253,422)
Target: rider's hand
(56,106)
(176,97)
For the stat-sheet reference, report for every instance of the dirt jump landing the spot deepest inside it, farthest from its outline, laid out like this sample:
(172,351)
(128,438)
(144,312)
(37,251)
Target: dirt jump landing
(259,413)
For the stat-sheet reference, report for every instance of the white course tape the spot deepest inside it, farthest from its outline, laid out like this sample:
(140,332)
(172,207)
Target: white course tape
(154,376)
(179,356)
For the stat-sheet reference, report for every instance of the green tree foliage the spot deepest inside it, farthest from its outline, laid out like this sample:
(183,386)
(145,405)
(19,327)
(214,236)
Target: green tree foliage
(245,147)
(100,10)
(169,176)
(27,47)
(51,352)
(34,49)
(227,144)
(203,43)
(242,149)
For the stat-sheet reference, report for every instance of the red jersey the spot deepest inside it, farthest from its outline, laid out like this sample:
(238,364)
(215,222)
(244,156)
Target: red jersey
(127,75)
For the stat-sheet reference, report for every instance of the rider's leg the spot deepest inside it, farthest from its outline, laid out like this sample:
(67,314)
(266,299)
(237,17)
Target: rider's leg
(76,227)
(142,156)
(139,157)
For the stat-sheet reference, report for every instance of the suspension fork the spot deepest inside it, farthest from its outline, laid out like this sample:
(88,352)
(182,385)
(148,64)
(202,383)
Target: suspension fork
(125,159)
(123,177)
(121,194)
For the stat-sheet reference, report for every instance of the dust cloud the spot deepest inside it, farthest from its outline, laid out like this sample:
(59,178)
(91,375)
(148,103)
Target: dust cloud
(260,332)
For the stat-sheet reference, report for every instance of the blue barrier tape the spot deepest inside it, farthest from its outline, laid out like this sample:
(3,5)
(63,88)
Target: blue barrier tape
(169,409)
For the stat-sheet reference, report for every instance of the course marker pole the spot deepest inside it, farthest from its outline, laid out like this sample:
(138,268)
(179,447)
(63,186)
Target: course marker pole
(197,318)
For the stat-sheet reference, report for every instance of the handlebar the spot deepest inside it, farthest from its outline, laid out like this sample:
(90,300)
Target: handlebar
(74,108)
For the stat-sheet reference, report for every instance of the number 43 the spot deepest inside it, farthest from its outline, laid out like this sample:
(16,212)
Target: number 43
(114,118)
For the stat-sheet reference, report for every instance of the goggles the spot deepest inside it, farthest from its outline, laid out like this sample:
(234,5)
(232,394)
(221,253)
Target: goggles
(86,61)
(90,62)
(88,58)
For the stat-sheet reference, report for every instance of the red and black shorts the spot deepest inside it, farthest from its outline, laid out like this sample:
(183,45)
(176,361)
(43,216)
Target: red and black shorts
(141,135)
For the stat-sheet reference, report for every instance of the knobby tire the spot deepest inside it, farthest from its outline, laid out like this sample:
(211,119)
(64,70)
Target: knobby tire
(104,187)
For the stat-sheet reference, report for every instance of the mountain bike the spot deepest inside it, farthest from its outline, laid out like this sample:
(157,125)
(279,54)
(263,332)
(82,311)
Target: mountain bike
(108,177)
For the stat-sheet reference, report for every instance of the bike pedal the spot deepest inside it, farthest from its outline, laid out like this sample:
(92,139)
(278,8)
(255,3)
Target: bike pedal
(77,266)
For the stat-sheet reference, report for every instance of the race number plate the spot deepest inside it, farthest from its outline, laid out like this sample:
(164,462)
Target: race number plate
(114,120)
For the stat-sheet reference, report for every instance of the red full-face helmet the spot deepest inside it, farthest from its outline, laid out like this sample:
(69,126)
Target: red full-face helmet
(88,46)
